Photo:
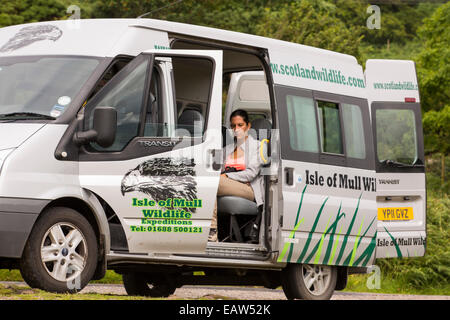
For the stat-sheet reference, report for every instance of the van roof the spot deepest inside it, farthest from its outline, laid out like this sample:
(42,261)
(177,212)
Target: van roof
(391,80)
(98,37)
(292,64)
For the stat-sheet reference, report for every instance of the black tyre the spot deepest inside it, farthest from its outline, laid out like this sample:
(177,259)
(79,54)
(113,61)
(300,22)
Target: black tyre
(61,252)
(309,282)
(139,284)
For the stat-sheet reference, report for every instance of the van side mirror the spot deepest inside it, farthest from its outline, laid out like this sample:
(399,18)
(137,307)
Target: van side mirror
(104,128)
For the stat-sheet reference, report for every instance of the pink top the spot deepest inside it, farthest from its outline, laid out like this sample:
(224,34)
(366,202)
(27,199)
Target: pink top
(238,163)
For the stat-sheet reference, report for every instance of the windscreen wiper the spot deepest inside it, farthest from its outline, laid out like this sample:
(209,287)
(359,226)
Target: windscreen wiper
(25,115)
(393,163)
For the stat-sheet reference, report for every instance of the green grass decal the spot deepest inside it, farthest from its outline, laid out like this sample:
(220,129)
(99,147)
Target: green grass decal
(291,248)
(344,243)
(290,245)
(368,252)
(397,248)
(364,234)
(351,256)
(333,252)
(292,235)
(333,241)
(319,250)
(300,205)
(355,246)
(308,241)
(333,228)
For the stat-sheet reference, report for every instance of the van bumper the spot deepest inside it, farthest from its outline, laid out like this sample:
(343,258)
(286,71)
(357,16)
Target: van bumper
(17,217)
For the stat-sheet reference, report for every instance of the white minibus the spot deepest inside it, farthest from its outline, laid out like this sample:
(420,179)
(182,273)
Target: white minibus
(113,139)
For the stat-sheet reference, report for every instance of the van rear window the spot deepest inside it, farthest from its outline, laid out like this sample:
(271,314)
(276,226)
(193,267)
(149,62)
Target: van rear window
(396,135)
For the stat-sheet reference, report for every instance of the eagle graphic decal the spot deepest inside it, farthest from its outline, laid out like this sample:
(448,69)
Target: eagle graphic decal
(31,34)
(163,178)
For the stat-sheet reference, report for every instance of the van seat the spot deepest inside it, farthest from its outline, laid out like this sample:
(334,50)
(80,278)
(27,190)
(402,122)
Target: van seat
(261,129)
(192,121)
(234,206)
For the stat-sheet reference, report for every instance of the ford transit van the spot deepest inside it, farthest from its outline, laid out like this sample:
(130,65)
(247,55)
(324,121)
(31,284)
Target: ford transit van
(112,139)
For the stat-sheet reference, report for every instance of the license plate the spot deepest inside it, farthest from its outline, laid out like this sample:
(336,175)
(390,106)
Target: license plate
(395,214)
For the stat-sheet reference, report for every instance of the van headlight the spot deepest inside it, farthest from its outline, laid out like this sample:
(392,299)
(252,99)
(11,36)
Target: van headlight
(3,155)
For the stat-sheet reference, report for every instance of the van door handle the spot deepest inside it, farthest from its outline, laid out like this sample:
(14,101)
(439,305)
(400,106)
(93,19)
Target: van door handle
(289,175)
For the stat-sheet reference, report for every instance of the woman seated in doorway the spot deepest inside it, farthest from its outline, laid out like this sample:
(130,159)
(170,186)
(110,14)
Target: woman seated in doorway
(241,167)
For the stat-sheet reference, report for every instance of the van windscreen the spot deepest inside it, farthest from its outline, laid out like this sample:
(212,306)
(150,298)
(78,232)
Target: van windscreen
(41,87)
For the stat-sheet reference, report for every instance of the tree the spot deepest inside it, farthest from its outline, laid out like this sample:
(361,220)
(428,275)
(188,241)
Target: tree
(315,23)
(434,60)
(399,21)
(24,11)
(434,77)
(391,30)
(236,15)
(436,125)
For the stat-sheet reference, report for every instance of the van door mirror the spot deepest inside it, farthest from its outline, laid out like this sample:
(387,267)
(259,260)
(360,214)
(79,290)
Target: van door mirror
(105,124)
(104,128)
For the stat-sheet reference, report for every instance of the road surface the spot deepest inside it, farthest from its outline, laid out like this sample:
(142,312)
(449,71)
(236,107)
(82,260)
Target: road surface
(244,293)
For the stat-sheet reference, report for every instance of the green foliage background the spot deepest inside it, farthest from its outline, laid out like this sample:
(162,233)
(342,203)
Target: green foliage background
(414,30)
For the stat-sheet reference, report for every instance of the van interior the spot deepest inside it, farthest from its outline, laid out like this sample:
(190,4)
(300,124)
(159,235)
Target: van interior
(239,220)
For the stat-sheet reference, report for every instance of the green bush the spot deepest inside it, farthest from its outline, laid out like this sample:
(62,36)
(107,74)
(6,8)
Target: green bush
(434,172)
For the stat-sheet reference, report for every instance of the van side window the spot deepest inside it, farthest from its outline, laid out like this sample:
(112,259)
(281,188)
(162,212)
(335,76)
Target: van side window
(302,124)
(354,131)
(320,127)
(330,127)
(126,96)
(193,81)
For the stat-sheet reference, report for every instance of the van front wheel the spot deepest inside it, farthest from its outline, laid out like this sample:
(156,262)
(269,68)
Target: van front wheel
(139,284)
(309,282)
(61,252)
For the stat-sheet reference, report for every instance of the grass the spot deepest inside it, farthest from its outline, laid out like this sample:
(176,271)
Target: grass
(22,292)
(14,275)
(18,292)
(394,285)
(10,275)
(110,278)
